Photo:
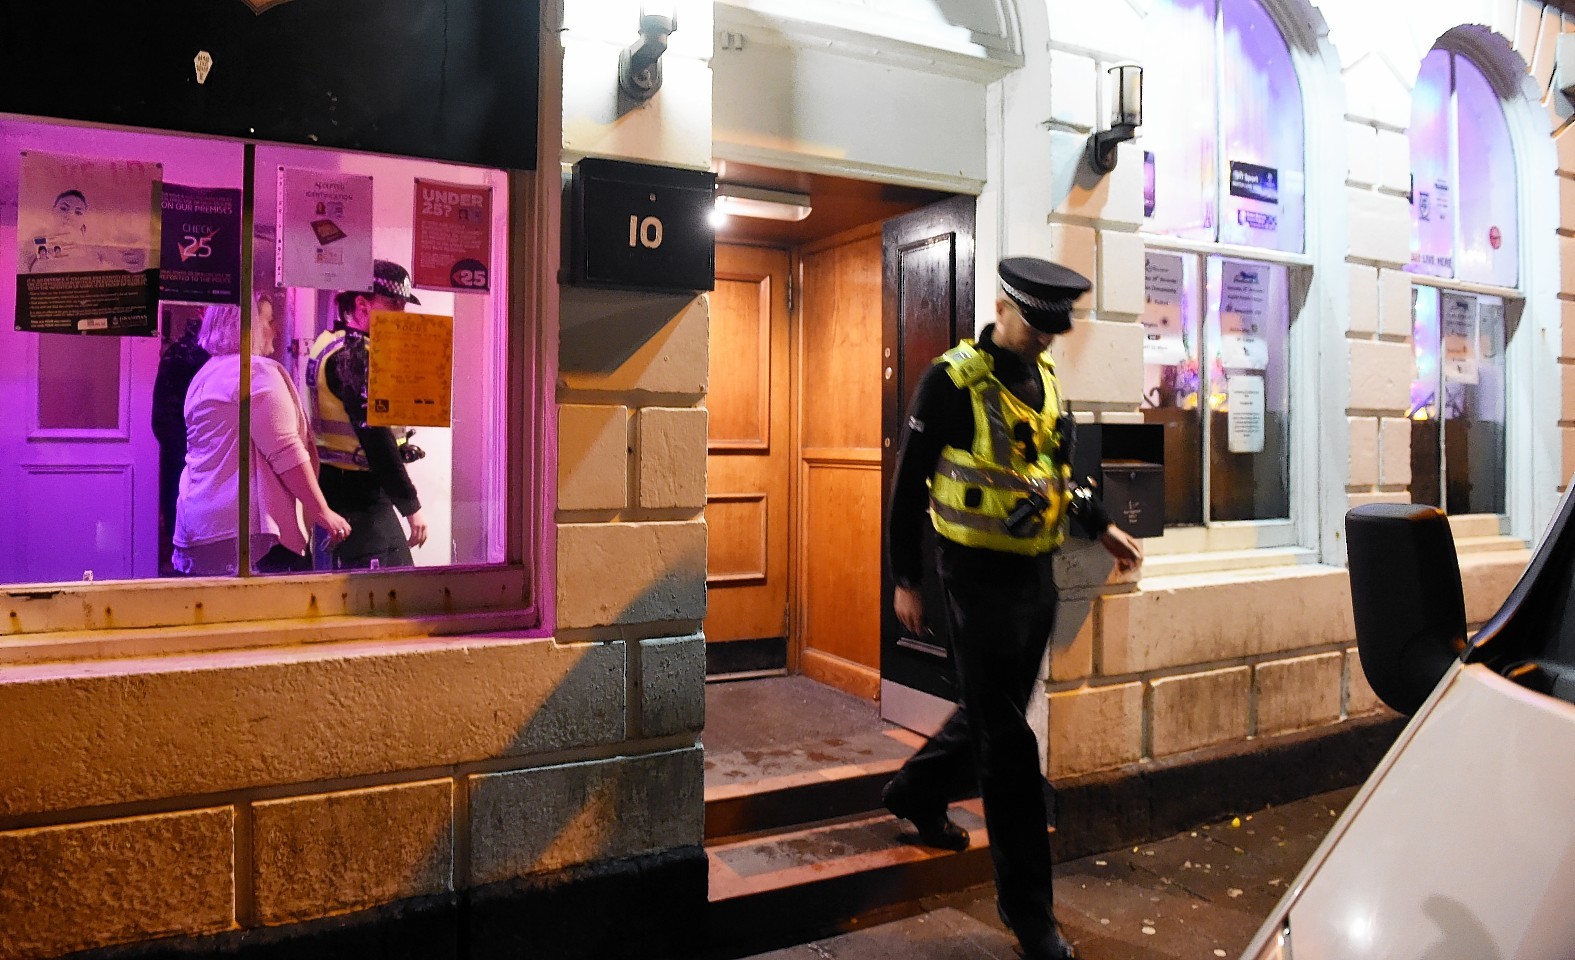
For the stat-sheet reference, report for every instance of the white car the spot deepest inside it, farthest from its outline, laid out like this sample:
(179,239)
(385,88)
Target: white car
(1461,845)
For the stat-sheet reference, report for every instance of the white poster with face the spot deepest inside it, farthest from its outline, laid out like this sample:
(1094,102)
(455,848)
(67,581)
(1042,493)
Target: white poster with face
(1244,418)
(1244,315)
(87,245)
(1163,343)
(325,230)
(1459,335)
(81,214)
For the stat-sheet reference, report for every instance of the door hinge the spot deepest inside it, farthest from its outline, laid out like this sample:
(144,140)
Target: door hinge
(790,292)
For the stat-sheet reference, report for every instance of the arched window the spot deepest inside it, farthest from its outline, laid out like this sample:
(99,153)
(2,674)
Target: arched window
(1224,207)
(1465,253)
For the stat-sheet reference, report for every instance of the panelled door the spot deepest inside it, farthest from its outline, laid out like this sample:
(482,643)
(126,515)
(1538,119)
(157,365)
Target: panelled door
(927,302)
(748,451)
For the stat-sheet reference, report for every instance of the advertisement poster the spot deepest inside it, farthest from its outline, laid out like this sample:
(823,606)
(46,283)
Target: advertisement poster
(411,378)
(453,236)
(87,245)
(1163,343)
(1244,316)
(325,230)
(1256,190)
(1244,419)
(201,246)
(1460,344)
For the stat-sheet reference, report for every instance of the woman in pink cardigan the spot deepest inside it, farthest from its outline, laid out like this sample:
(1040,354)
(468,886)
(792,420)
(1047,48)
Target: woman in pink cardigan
(283,458)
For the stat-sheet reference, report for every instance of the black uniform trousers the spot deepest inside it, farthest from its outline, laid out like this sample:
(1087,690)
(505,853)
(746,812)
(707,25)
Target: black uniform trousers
(375,531)
(1000,609)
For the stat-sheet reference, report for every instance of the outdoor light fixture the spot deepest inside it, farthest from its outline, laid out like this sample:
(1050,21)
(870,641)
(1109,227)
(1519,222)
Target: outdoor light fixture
(1124,119)
(640,64)
(736,199)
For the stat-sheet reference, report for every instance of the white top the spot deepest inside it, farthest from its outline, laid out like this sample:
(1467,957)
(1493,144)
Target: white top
(206,509)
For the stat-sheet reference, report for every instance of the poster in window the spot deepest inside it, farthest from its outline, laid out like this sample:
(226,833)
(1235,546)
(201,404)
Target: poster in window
(1163,342)
(452,237)
(87,245)
(410,381)
(325,230)
(1244,315)
(1255,200)
(1244,415)
(1460,344)
(201,245)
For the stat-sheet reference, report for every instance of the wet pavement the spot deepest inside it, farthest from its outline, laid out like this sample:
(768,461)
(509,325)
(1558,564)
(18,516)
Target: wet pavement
(1200,894)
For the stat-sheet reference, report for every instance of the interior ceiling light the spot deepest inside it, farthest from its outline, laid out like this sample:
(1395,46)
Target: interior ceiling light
(738,200)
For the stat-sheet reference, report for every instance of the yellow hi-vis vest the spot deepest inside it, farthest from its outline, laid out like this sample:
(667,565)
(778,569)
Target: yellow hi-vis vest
(973,492)
(336,440)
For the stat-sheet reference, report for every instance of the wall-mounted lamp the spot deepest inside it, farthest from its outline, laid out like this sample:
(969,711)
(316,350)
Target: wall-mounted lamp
(640,64)
(738,200)
(1124,119)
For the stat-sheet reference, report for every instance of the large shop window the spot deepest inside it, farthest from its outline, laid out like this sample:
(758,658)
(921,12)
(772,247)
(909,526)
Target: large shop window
(1465,253)
(128,439)
(1224,212)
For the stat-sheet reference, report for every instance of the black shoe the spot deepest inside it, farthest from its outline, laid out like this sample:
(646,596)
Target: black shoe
(935,828)
(1050,945)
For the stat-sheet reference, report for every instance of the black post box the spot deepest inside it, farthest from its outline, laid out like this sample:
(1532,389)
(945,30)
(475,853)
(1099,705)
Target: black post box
(1126,464)
(1135,496)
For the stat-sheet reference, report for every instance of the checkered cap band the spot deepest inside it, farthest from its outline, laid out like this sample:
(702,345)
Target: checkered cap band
(1036,303)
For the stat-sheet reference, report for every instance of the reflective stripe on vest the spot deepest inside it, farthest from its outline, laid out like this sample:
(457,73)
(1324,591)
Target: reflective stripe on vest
(973,492)
(337,443)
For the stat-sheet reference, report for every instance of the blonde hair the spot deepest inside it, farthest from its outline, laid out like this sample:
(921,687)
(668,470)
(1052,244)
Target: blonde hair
(221,330)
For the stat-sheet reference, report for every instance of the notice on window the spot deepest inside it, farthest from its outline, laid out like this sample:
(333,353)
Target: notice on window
(410,382)
(1255,193)
(1244,416)
(1163,342)
(87,245)
(1435,238)
(453,236)
(1244,315)
(1459,334)
(201,245)
(325,230)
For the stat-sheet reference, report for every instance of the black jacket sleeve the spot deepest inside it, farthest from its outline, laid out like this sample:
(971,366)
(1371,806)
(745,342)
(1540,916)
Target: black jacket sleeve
(347,378)
(938,411)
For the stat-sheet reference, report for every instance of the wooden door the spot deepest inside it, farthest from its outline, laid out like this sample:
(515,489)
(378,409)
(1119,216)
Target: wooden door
(839,475)
(748,453)
(927,304)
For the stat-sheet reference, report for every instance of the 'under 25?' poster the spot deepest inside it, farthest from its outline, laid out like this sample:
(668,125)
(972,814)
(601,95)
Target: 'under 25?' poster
(87,245)
(453,236)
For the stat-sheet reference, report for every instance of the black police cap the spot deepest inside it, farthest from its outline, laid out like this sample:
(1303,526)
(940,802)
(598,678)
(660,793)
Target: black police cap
(1043,291)
(392,280)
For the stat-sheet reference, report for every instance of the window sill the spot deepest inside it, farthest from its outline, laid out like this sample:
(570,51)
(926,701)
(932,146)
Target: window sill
(106,644)
(1219,561)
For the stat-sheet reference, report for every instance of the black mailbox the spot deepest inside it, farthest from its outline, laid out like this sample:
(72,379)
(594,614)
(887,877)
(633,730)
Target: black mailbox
(642,227)
(1126,465)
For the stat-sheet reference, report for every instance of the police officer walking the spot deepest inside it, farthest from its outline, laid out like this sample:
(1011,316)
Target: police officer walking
(987,456)
(363,472)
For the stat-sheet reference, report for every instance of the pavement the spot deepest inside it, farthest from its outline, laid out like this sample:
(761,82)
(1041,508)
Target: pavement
(1199,895)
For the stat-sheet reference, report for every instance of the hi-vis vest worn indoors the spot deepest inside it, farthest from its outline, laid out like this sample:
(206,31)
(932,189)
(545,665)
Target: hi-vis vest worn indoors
(337,443)
(972,493)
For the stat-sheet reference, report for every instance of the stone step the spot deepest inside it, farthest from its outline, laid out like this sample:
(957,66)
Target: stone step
(815,879)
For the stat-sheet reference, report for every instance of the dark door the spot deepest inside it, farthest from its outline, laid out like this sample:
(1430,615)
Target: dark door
(927,260)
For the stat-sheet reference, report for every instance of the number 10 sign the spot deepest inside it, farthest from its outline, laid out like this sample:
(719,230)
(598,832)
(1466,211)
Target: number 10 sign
(642,227)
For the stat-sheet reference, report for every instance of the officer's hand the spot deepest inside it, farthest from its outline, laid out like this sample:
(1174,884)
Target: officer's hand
(909,605)
(1121,545)
(418,529)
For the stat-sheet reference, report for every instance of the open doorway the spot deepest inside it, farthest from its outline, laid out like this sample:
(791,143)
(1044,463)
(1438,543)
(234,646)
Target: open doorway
(804,369)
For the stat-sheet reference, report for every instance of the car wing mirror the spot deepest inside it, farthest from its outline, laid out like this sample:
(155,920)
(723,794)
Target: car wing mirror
(1407,598)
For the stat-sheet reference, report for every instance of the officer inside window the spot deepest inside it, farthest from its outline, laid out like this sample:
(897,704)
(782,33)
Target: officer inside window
(987,456)
(363,472)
